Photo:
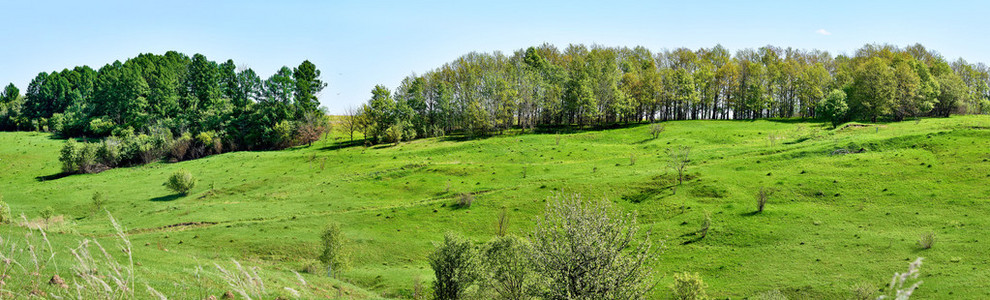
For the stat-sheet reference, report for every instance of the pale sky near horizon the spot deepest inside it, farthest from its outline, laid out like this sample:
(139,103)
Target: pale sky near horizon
(358,44)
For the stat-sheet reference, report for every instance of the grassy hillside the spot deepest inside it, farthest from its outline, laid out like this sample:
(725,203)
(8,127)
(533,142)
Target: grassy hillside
(832,222)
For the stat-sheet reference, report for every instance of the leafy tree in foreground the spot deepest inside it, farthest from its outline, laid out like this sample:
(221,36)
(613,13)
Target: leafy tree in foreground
(333,255)
(455,267)
(588,250)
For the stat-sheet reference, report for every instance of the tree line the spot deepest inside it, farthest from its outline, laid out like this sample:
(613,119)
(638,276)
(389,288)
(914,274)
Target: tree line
(156,106)
(486,93)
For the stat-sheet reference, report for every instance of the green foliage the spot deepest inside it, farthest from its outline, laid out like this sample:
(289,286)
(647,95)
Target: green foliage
(455,267)
(689,286)
(47,213)
(507,269)
(586,250)
(333,255)
(926,240)
(99,201)
(68,157)
(181,182)
(834,107)
(5,217)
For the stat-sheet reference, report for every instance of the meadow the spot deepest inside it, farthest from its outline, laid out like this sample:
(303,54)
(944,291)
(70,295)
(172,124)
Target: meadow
(846,209)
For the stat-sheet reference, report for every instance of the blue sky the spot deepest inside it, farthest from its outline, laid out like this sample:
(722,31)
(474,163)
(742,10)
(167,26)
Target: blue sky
(359,44)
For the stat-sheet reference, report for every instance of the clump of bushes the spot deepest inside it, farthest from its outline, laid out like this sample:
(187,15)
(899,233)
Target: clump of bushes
(579,250)
(688,286)
(181,182)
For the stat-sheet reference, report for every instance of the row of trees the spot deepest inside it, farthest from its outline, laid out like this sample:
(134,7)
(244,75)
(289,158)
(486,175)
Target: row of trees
(544,86)
(174,91)
(172,105)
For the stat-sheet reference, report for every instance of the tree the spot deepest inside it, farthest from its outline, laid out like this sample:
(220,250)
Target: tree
(455,267)
(678,159)
(333,254)
(588,250)
(834,107)
(10,94)
(204,79)
(308,85)
(507,269)
(351,121)
(873,89)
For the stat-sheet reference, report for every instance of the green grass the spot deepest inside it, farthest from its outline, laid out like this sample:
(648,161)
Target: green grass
(833,221)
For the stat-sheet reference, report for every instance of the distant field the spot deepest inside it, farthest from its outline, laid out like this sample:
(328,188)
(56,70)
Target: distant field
(832,222)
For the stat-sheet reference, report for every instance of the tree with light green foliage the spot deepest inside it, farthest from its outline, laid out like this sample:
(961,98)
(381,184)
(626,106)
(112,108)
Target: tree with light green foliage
(333,255)
(834,107)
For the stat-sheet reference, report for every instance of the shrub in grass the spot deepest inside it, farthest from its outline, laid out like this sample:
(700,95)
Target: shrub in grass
(705,225)
(465,200)
(656,129)
(454,263)
(67,156)
(927,240)
(181,182)
(688,286)
(98,201)
(761,199)
(4,212)
(863,291)
(47,213)
(770,295)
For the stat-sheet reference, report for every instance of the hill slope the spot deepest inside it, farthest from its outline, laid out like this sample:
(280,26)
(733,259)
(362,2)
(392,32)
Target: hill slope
(832,222)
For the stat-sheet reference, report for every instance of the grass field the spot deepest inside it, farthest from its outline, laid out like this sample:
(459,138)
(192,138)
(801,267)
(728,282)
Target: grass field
(832,222)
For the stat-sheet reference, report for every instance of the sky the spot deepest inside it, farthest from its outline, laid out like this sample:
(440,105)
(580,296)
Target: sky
(358,44)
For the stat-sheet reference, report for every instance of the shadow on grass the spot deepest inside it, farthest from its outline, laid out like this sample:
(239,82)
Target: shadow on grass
(167,198)
(52,177)
(342,145)
(750,214)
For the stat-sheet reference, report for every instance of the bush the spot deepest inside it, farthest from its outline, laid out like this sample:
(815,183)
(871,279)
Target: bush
(688,286)
(761,199)
(86,159)
(47,213)
(181,182)
(507,268)
(181,146)
(108,153)
(656,129)
(5,217)
(98,201)
(770,295)
(68,157)
(455,267)
(927,240)
(586,250)
(465,200)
